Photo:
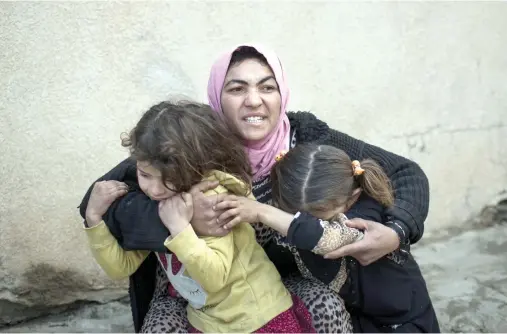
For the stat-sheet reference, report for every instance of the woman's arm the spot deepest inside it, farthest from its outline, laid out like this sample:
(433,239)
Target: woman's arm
(134,220)
(412,192)
(409,181)
(115,261)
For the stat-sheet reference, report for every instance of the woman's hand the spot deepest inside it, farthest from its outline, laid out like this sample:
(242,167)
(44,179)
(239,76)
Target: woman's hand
(379,240)
(237,209)
(205,219)
(103,194)
(176,212)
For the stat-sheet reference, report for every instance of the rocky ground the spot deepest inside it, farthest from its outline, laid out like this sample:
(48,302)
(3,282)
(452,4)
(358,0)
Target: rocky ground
(466,275)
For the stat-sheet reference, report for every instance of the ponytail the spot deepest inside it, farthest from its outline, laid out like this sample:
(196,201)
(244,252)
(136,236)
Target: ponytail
(374,181)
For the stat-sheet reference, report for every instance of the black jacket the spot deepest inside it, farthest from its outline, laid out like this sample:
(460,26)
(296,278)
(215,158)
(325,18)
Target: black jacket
(382,294)
(134,219)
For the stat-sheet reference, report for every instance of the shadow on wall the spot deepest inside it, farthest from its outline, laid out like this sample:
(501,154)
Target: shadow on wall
(155,74)
(44,289)
(492,214)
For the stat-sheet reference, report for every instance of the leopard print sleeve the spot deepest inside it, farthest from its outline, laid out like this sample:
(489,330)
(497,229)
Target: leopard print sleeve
(335,235)
(320,236)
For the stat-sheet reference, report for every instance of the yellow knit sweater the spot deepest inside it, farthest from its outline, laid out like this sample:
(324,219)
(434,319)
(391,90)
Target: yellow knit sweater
(229,281)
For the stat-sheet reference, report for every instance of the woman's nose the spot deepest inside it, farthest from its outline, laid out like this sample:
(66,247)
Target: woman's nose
(253,99)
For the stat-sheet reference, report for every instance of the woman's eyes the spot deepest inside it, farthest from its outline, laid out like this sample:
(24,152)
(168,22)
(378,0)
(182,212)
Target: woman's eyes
(268,88)
(235,89)
(264,89)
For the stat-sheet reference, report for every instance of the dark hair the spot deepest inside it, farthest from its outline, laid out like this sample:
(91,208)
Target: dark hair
(318,178)
(243,53)
(184,140)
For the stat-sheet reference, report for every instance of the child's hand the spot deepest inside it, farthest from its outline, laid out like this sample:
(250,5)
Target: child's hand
(238,209)
(103,194)
(176,212)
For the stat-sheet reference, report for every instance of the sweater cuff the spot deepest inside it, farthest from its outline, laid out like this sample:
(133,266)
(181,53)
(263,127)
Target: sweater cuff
(400,255)
(402,212)
(184,244)
(99,236)
(401,230)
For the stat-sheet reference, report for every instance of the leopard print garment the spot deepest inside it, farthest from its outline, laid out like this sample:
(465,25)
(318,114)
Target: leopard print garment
(168,314)
(336,234)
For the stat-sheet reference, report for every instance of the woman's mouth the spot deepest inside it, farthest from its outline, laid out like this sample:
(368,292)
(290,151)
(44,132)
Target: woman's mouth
(254,119)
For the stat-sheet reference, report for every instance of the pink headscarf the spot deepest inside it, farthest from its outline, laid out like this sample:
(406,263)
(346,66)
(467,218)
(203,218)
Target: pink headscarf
(262,155)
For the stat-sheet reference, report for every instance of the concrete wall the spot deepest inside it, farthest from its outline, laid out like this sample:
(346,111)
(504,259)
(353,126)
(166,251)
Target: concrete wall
(425,80)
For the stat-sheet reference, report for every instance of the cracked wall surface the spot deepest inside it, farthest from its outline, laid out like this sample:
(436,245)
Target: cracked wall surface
(425,80)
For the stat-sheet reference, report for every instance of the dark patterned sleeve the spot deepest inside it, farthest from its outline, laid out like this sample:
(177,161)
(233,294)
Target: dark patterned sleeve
(320,236)
(313,238)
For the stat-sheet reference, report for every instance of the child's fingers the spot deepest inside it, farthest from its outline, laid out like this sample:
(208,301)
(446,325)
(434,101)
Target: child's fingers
(229,214)
(232,223)
(118,192)
(115,185)
(358,223)
(228,203)
(187,198)
(112,185)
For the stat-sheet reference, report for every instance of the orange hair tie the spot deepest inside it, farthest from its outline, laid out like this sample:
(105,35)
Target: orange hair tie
(280,155)
(356,168)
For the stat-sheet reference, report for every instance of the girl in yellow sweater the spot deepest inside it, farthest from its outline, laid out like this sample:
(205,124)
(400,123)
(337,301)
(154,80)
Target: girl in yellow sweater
(229,282)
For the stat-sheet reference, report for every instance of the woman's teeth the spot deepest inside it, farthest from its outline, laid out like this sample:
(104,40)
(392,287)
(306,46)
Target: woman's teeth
(254,119)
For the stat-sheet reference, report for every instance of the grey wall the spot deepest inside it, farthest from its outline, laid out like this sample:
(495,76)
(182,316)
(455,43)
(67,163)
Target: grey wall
(423,79)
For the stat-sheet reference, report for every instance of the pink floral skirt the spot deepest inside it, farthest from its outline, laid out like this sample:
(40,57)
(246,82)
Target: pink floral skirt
(297,319)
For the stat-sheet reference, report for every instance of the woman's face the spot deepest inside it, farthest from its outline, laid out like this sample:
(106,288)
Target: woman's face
(251,100)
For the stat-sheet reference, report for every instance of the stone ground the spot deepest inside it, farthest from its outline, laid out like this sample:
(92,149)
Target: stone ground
(466,275)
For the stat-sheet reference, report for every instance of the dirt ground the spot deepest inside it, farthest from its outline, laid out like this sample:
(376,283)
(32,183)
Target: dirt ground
(466,275)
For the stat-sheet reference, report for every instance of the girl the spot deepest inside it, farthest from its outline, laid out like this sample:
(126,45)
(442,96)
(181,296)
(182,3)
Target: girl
(229,282)
(318,184)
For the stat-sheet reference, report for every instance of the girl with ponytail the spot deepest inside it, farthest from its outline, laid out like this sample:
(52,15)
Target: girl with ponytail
(321,186)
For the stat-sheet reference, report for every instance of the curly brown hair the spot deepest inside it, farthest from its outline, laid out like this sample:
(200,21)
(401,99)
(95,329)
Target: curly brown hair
(184,140)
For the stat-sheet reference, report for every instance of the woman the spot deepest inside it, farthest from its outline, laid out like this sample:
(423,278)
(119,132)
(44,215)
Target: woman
(247,88)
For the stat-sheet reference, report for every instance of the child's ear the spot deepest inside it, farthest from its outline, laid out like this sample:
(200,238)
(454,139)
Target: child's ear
(353,199)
